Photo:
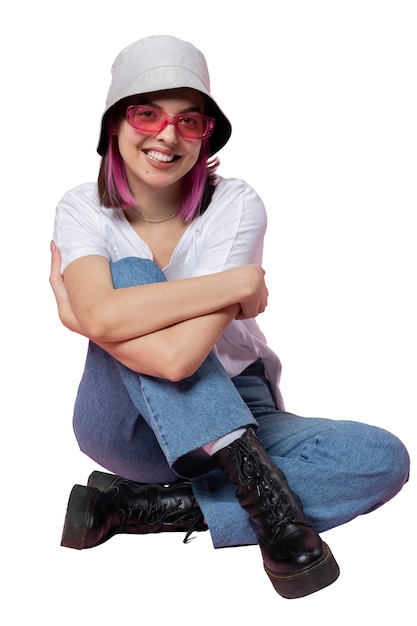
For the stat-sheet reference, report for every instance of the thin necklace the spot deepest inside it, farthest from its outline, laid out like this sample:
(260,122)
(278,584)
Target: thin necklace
(146,219)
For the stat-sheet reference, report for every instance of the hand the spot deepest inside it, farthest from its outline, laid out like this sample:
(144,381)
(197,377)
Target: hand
(56,281)
(256,300)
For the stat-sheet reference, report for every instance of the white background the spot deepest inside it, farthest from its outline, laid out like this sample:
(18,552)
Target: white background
(322,97)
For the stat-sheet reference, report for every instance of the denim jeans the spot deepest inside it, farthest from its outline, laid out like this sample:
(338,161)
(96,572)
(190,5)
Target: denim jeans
(152,430)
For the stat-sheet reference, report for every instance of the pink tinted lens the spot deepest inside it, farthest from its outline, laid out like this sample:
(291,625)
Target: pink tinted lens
(150,120)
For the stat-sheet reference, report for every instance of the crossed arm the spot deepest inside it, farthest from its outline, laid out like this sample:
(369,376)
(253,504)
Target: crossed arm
(163,329)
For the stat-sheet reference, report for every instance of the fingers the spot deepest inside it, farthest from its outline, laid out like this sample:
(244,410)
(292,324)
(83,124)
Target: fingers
(255,305)
(55,276)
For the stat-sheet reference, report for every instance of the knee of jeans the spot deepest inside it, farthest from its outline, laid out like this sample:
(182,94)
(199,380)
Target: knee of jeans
(132,271)
(384,456)
(398,460)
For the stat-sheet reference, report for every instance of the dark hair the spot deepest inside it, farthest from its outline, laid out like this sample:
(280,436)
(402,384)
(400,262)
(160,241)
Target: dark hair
(113,189)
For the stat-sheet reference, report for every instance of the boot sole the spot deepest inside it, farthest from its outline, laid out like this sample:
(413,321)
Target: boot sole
(318,576)
(77,517)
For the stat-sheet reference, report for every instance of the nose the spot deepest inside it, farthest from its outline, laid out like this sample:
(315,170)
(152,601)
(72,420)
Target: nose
(168,133)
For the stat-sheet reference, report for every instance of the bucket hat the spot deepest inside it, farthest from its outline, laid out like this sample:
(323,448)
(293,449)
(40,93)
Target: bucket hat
(158,63)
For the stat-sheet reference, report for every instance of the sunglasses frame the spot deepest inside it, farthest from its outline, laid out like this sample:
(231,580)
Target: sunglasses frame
(167,119)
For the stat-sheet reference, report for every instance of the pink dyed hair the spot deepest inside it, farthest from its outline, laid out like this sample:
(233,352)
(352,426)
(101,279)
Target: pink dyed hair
(118,195)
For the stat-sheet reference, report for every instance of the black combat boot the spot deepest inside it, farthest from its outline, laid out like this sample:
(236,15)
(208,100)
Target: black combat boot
(296,560)
(110,505)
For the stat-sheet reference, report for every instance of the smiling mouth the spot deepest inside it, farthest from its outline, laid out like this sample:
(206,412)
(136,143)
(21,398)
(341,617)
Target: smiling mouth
(161,158)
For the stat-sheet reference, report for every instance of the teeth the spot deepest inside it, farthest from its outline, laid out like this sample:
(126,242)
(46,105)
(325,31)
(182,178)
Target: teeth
(158,156)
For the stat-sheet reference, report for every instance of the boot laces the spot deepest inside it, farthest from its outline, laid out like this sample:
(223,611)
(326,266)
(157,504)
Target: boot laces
(198,521)
(153,512)
(257,476)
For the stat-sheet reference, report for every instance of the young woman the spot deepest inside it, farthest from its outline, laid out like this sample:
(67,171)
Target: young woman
(159,265)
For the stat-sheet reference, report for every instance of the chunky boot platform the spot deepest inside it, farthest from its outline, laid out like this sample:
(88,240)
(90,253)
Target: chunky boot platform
(111,505)
(296,560)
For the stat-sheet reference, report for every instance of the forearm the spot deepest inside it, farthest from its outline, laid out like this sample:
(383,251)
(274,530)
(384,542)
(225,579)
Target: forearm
(173,353)
(176,352)
(106,314)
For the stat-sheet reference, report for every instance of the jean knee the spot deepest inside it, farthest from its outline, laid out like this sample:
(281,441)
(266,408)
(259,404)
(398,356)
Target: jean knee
(388,461)
(398,459)
(131,271)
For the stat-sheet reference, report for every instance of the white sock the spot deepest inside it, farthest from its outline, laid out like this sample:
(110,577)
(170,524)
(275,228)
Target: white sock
(214,446)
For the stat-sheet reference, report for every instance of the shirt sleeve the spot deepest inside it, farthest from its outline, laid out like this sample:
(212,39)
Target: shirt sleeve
(78,231)
(231,232)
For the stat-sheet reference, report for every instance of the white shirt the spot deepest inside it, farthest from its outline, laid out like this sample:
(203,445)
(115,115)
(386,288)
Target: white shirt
(228,235)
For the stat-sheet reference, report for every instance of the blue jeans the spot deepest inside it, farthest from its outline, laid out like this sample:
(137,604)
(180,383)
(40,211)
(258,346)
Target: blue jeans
(152,430)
